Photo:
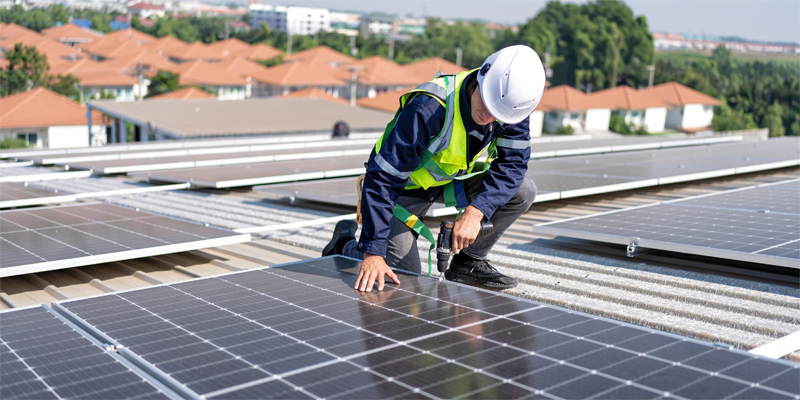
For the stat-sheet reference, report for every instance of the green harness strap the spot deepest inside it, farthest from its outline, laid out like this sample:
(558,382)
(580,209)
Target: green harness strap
(413,222)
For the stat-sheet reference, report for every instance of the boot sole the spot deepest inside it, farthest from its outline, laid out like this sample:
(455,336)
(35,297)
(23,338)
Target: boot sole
(468,280)
(329,248)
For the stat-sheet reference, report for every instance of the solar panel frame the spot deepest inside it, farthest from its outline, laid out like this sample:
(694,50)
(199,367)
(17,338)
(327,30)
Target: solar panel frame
(425,338)
(32,240)
(739,224)
(64,361)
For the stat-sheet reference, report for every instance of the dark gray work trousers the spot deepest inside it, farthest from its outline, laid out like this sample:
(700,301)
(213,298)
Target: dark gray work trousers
(402,252)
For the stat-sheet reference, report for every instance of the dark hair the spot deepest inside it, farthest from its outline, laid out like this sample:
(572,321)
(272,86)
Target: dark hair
(473,84)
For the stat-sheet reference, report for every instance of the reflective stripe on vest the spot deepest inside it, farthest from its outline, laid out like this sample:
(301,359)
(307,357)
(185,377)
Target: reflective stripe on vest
(445,158)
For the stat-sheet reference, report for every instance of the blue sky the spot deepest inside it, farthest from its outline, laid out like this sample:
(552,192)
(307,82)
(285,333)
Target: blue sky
(765,20)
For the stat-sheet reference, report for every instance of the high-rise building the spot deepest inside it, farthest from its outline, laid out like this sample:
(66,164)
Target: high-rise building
(295,20)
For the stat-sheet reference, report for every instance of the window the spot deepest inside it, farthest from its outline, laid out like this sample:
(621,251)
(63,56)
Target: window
(31,137)
(635,114)
(552,115)
(574,116)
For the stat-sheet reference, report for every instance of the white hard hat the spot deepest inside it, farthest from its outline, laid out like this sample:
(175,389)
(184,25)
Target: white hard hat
(511,83)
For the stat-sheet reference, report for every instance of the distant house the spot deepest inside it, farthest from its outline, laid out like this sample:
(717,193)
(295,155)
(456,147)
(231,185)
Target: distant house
(72,35)
(637,107)
(97,79)
(315,93)
(320,55)
(146,10)
(63,125)
(377,75)
(111,43)
(227,86)
(425,70)
(689,110)
(570,107)
(55,51)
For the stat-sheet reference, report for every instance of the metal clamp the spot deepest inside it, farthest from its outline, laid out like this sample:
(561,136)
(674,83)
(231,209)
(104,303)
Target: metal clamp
(634,243)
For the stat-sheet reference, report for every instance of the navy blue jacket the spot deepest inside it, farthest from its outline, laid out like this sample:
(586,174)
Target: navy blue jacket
(420,121)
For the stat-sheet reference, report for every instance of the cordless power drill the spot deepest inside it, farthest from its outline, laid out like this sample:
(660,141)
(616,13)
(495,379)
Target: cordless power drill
(445,241)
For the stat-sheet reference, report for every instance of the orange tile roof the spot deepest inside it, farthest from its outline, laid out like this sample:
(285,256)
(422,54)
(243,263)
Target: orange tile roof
(388,101)
(625,98)
(188,93)
(167,44)
(195,51)
(93,73)
(320,54)
(117,38)
(55,51)
(11,31)
(259,52)
(229,47)
(204,73)
(304,74)
(126,62)
(316,93)
(380,71)
(24,110)
(112,49)
(676,94)
(425,70)
(241,66)
(567,98)
(71,31)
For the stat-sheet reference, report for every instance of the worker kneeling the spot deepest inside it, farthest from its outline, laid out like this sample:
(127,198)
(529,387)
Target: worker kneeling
(430,150)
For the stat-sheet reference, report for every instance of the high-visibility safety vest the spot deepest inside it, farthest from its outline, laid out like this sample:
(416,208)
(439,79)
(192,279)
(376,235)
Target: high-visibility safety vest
(445,158)
(444,162)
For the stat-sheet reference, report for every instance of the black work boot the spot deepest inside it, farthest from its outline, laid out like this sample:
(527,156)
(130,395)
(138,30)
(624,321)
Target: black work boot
(344,232)
(465,269)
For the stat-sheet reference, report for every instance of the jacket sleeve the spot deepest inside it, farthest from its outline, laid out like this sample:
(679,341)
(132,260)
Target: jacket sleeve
(389,169)
(505,176)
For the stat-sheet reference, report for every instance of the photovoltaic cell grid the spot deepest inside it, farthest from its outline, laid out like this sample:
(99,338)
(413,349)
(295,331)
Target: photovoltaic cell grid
(43,239)
(760,224)
(301,331)
(42,357)
(585,175)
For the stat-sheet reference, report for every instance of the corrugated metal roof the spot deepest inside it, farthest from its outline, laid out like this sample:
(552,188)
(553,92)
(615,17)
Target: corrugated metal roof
(206,118)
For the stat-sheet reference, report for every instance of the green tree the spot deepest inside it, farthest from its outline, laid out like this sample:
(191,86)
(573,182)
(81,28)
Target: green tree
(13,143)
(65,85)
(26,69)
(163,82)
(728,119)
(773,120)
(101,23)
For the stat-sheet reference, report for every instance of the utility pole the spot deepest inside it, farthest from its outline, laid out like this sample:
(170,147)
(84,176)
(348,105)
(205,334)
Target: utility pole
(288,40)
(353,49)
(227,29)
(353,81)
(548,72)
(652,69)
(391,48)
(139,71)
(458,56)
(130,24)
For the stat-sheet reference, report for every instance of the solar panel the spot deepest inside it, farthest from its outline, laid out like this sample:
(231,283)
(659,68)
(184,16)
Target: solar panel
(342,192)
(50,238)
(219,159)
(757,224)
(10,192)
(264,173)
(45,358)
(300,331)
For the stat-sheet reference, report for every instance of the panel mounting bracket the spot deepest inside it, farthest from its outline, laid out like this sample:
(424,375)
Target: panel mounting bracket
(632,246)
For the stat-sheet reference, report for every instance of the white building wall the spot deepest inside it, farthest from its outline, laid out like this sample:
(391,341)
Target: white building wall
(654,119)
(230,92)
(536,122)
(297,20)
(697,116)
(597,119)
(62,137)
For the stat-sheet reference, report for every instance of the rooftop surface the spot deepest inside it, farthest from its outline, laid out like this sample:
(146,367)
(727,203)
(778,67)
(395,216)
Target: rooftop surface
(206,118)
